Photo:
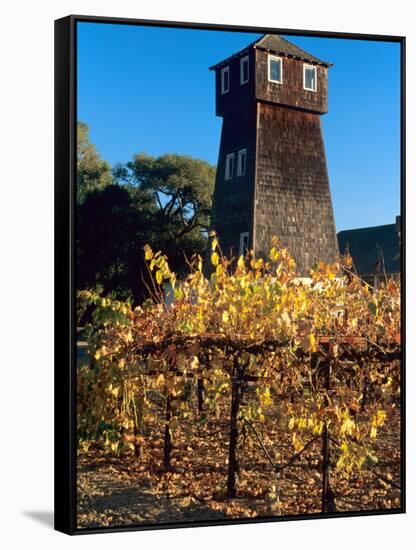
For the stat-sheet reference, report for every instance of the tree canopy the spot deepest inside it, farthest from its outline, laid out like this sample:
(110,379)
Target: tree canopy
(164,201)
(92,171)
(181,186)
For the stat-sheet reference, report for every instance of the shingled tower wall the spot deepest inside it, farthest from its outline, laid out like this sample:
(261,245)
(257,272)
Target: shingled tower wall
(284,189)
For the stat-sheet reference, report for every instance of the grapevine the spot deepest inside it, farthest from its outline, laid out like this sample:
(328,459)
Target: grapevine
(251,345)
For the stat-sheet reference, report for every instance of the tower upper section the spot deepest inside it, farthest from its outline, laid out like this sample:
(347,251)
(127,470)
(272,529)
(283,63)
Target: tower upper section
(275,71)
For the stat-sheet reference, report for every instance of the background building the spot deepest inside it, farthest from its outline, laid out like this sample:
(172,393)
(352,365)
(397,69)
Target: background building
(375,250)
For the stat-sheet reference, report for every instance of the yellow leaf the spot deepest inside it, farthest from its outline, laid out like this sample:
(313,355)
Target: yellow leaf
(214,244)
(380,417)
(291,263)
(159,277)
(215,259)
(266,399)
(219,270)
(148,253)
(225,317)
(194,363)
(308,343)
(274,254)
(297,443)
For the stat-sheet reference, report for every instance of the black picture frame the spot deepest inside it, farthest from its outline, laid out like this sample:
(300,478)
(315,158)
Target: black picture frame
(65,273)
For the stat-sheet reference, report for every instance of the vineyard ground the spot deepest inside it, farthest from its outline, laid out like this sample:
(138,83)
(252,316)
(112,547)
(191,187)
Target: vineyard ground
(126,491)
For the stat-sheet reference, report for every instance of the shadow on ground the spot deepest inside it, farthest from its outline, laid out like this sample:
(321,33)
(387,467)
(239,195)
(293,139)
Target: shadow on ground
(44,518)
(106,502)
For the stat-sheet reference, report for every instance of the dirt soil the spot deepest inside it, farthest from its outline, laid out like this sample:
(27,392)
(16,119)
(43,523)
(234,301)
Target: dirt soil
(127,491)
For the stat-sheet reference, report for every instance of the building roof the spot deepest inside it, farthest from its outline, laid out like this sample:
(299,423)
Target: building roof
(274,43)
(370,246)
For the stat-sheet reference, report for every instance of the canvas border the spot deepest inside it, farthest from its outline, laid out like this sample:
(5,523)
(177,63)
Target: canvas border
(65,273)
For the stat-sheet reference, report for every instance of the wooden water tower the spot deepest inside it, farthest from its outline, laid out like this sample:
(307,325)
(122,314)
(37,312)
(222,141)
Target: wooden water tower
(272,176)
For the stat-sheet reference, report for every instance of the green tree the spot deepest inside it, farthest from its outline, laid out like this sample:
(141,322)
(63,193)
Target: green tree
(163,201)
(182,187)
(92,171)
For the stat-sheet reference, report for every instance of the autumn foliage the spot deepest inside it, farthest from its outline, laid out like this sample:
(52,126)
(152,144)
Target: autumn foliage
(313,356)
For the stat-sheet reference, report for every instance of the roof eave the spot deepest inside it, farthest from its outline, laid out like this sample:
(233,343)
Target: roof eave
(269,50)
(300,58)
(230,58)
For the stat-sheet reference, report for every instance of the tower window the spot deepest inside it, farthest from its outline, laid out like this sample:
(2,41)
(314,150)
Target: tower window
(309,78)
(243,244)
(225,80)
(241,162)
(229,166)
(244,70)
(275,69)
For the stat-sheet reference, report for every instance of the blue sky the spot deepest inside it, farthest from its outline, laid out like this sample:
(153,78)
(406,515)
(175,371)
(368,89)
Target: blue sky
(149,89)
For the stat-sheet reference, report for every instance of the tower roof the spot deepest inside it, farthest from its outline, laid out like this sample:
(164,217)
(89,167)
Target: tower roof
(276,44)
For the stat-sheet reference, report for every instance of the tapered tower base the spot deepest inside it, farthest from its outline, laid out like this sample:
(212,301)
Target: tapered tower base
(292,196)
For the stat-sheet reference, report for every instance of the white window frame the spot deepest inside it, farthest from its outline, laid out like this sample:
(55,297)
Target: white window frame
(276,58)
(229,173)
(241,168)
(241,251)
(223,71)
(243,60)
(306,66)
